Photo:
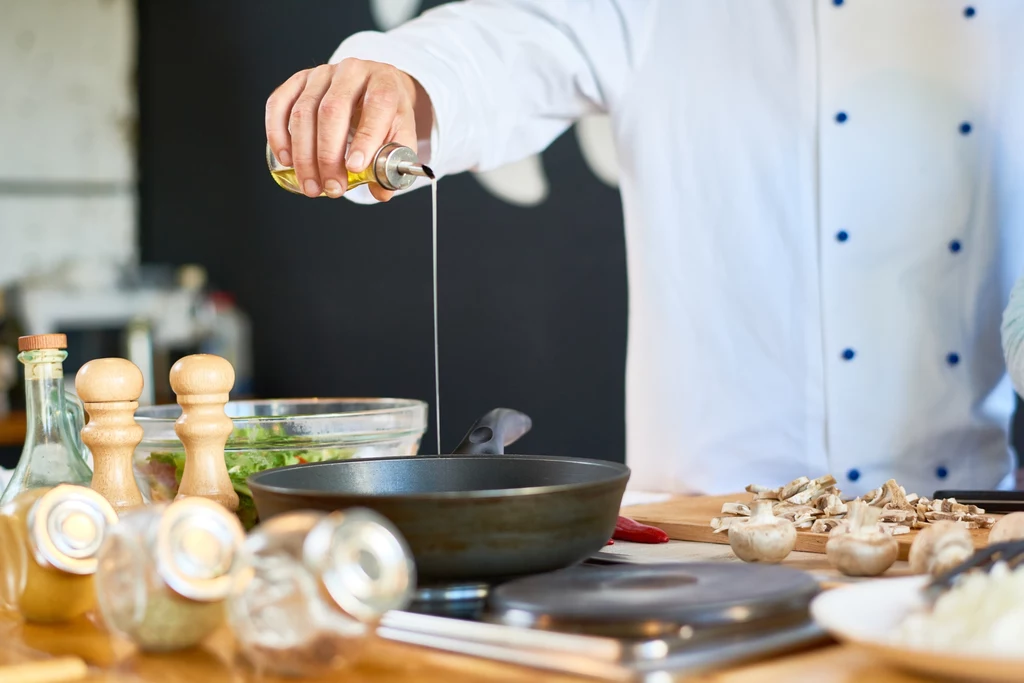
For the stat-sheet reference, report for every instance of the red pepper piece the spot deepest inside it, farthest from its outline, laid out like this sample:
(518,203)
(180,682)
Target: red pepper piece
(629,530)
(610,542)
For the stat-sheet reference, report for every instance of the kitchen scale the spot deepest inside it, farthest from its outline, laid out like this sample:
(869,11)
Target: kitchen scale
(618,621)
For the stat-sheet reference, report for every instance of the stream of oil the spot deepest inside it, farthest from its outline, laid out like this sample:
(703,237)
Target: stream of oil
(437,360)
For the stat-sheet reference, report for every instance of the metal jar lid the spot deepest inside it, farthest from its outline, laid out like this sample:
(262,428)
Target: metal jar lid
(196,543)
(67,526)
(363,561)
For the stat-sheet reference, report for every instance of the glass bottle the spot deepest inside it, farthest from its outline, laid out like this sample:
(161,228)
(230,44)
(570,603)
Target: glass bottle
(394,167)
(53,453)
(311,586)
(48,543)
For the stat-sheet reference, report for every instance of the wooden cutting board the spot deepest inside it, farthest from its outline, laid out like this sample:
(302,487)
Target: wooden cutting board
(689,519)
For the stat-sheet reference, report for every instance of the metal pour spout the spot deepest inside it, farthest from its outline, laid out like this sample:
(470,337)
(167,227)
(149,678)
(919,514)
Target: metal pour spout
(408,168)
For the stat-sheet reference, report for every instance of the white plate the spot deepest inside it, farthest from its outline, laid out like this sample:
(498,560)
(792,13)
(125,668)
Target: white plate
(866,615)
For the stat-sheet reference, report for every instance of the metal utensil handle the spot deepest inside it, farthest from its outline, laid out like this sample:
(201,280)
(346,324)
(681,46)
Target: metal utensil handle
(494,431)
(1011,552)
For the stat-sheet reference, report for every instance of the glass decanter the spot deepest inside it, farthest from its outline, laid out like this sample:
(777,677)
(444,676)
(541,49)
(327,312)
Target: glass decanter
(53,453)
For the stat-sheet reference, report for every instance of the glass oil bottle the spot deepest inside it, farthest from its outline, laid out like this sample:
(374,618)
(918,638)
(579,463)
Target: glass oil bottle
(394,167)
(53,453)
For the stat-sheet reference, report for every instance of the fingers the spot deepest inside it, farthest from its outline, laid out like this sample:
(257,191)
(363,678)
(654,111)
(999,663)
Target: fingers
(302,124)
(334,120)
(279,109)
(380,104)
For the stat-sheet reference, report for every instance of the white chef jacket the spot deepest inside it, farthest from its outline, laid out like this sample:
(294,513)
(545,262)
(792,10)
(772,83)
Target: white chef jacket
(823,207)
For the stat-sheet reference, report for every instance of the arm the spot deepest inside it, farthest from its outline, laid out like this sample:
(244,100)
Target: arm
(479,84)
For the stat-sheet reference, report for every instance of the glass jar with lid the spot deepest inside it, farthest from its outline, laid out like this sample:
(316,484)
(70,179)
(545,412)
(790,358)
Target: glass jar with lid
(165,570)
(49,540)
(310,587)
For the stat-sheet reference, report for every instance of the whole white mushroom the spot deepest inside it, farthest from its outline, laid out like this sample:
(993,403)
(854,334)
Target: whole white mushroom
(764,537)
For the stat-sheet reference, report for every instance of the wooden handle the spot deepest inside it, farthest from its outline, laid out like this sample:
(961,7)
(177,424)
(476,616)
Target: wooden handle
(202,384)
(110,390)
(45,671)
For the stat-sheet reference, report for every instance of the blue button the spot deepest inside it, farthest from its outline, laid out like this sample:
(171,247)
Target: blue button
(842,236)
(853,475)
(953,358)
(941,472)
(841,117)
(968,11)
(954,246)
(848,354)
(837,3)
(965,128)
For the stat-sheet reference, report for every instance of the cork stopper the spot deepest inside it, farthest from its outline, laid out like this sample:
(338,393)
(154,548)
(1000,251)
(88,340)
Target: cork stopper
(108,380)
(38,342)
(203,384)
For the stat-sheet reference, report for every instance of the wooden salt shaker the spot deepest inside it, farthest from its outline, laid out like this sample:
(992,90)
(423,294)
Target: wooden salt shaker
(110,390)
(202,384)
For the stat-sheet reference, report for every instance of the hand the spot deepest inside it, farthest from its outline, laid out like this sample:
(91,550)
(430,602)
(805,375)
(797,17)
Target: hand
(310,115)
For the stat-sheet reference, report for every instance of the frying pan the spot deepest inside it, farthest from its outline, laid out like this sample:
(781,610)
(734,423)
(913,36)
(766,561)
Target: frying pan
(475,515)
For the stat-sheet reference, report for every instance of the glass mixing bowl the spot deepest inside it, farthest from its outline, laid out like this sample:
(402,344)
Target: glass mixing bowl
(276,433)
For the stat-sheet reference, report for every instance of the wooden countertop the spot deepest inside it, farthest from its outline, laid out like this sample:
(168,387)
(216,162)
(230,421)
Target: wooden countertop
(115,661)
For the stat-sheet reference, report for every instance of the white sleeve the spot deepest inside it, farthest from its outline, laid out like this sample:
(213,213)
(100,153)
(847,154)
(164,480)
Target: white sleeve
(505,77)
(1013,336)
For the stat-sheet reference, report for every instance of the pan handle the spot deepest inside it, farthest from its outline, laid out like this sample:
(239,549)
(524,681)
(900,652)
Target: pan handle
(494,431)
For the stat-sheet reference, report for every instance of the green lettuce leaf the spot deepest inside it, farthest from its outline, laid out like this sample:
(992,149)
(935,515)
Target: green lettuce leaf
(240,465)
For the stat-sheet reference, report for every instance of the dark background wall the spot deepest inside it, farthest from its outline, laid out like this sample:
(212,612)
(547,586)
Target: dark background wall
(532,300)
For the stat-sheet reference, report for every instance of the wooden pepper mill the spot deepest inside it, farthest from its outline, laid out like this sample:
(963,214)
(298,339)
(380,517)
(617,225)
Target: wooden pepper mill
(110,390)
(202,384)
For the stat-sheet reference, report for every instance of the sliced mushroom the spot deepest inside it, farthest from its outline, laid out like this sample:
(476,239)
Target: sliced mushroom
(803,497)
(982,521)
(735,509)
(874,497)
(824,525)
(720,524)
(898,516)
(834,506)
(896,495)
(763,492)
(826,481)
(793,487)
(943,516)
(791,512)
